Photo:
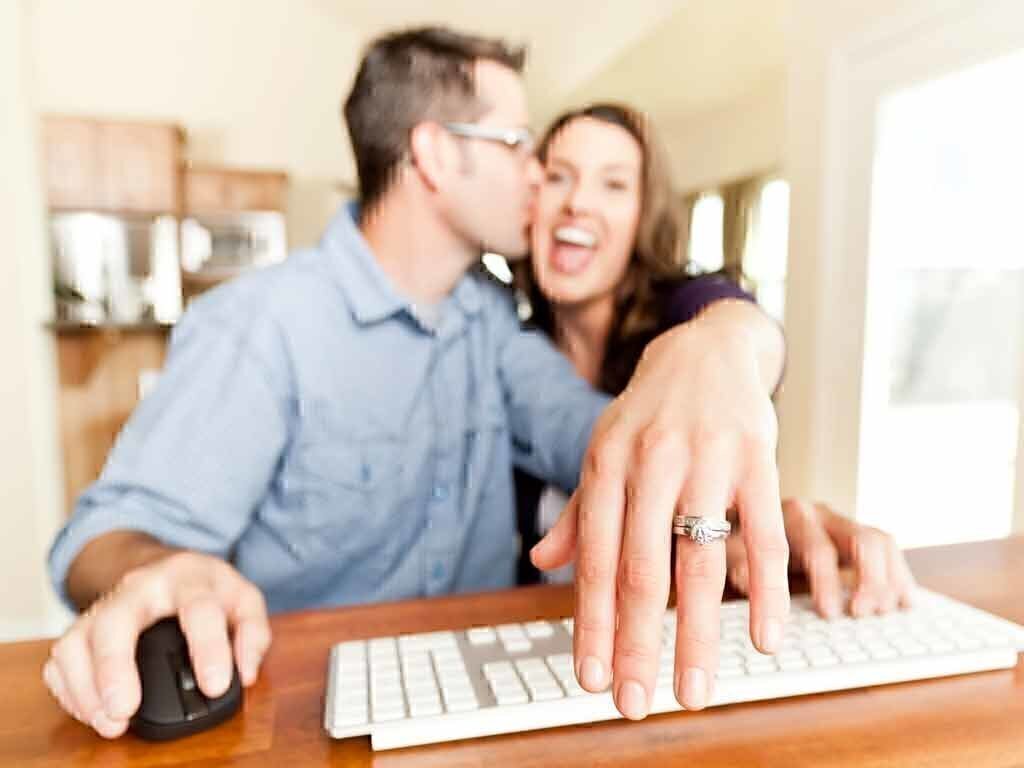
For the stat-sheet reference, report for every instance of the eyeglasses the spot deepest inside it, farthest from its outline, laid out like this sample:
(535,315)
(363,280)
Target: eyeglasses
(521,140)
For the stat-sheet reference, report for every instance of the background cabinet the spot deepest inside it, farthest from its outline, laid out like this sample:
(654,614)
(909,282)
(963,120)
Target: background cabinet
(223,190)
(123,167)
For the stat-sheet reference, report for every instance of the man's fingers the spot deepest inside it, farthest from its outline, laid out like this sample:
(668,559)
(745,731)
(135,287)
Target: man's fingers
(821,563)
(206,631)
(645,571)
(114,632)
(558,546)
(902,579)
(247,613)
(767,551)
(81,700)
(871,563)
(700,580)
(599,536)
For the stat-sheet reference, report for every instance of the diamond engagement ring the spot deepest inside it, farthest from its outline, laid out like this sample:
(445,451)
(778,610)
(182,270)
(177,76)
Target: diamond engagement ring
(702,530)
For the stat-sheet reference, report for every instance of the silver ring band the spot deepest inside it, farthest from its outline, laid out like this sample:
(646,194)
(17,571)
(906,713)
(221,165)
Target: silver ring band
(702,530)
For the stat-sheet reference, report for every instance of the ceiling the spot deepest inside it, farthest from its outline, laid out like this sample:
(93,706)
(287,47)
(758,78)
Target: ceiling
(674,58)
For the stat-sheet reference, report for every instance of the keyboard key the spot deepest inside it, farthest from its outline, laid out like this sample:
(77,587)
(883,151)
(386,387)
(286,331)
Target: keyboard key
(508,697)
(536,630)
(517,646)
(793,665)
(350,718)
(481,636)
(425,707)
(546,692)
(384,715)
(499,669)
(463,704)
(560,662)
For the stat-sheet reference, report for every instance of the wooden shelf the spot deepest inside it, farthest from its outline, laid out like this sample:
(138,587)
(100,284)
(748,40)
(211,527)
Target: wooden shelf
(69,326)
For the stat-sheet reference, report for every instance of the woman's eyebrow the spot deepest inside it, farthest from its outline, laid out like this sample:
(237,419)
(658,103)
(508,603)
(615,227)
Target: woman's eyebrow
(606,167)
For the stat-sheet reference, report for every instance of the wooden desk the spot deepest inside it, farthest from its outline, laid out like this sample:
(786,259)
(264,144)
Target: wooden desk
(974,721)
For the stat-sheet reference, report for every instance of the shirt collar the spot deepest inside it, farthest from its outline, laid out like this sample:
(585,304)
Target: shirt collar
(370,293)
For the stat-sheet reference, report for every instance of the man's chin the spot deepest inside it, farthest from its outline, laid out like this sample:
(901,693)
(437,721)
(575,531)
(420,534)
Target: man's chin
(510,251)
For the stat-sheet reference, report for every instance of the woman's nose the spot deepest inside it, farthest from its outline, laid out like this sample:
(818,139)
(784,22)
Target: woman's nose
(579,199)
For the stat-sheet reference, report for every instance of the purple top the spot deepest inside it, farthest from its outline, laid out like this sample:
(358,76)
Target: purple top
(691,296)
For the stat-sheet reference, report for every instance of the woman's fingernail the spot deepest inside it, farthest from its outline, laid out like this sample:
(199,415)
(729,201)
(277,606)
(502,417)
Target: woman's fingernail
(632,700)
(771,635)
(592,674)
(693,691)
(831,607)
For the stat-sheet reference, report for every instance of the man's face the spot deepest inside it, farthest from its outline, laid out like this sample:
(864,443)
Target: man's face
(489,200)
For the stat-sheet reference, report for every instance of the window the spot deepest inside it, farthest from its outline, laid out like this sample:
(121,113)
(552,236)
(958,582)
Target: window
(744,229)
(944,357)
(706,229)
(764,258)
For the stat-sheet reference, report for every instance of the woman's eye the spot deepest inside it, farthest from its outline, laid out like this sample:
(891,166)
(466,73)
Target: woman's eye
(616,185)
(554,177)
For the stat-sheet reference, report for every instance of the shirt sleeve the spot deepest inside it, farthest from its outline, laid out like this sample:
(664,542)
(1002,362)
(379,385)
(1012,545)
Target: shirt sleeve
(199,452)
(693,295)
(551,409)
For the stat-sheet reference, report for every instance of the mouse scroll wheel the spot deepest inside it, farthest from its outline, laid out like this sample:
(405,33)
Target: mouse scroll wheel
(188,680)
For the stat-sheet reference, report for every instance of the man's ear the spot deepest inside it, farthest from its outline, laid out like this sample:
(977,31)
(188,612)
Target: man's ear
(428,150)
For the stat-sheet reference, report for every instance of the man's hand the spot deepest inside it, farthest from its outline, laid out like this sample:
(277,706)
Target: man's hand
(91,670)
(694,433)
(821,542)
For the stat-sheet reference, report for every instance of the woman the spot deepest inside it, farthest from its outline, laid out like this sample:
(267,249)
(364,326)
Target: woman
(606,275)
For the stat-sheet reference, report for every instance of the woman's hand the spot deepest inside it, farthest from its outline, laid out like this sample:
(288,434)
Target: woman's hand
(820,543)
(694,433)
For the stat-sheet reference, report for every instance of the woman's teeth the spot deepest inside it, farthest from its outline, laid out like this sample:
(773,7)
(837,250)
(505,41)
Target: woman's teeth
(575,236)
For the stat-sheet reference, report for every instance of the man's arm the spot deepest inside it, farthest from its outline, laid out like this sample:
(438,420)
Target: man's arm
(104,561)
(693,433)
(150,538)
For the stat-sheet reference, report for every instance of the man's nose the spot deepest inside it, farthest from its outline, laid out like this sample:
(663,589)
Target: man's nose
(534,172)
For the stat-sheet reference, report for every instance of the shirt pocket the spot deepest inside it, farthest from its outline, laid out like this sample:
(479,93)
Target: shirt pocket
(486,450)
(348,492)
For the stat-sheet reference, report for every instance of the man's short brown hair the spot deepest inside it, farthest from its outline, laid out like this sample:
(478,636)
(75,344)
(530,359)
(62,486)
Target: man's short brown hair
(406,78)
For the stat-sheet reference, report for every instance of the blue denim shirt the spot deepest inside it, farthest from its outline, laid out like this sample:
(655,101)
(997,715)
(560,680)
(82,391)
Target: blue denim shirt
(310,429)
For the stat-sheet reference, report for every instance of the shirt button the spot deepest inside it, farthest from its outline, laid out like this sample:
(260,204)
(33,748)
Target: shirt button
(440,492)
(438,570)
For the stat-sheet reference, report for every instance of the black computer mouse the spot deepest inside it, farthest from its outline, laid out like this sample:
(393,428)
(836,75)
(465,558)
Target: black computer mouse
(172,703)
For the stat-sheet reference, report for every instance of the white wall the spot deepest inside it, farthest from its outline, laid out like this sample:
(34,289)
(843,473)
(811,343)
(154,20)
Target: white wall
(254,84)
(30,477)
(744,139)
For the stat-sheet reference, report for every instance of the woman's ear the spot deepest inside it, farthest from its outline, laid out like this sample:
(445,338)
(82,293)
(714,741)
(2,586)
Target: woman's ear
(428,153)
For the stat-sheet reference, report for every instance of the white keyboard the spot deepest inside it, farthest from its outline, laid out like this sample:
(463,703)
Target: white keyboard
(439,686)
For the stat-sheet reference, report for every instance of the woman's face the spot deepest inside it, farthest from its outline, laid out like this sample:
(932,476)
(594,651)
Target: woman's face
(587,211)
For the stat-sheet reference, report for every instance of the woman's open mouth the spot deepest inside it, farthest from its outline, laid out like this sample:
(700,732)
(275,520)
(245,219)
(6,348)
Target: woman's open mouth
(572,249)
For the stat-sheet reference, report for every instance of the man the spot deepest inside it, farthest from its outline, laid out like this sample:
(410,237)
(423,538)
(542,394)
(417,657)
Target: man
(342,427)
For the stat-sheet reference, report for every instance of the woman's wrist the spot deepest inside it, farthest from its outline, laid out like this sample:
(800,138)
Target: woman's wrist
(741,328)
